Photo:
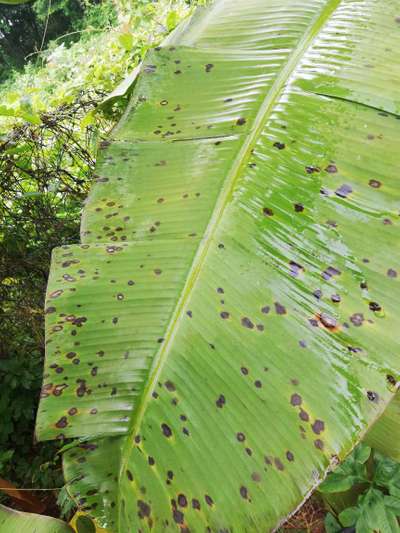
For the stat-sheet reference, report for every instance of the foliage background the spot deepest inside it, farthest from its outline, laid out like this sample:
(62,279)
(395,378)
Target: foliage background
(59,59)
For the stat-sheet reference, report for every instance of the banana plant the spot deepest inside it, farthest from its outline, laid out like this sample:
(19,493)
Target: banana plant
(228,330)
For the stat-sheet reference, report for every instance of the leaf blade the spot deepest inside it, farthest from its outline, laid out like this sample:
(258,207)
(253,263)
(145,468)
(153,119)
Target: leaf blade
(270,212)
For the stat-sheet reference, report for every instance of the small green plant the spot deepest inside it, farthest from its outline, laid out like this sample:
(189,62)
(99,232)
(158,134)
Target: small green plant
(363,493)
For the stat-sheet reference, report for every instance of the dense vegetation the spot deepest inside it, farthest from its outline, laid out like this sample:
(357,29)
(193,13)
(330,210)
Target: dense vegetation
(27,29)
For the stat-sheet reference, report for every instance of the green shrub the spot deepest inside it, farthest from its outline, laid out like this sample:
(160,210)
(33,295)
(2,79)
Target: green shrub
(364,493)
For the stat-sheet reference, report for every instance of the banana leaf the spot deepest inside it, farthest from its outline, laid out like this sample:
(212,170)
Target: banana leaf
(12,521)
(228,328)
(14,2)
(384,435)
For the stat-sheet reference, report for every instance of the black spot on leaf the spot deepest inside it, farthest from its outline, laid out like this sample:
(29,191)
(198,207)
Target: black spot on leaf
(280,309)
(220,402)
(332,169)
(295,399)
(328,321)
(375,184)
(62,422)
(279,145)
(304,415)
(144,509)
(289,456)
(167,432)
(196,504)
(209,500)
(318,443)
(247,323)
(357,319)
(374,306)
(243,492)
(372,396)
(178,516)
(170,386)
(267,211)
(318,426)
(343,191)
(311,170)
(182,500)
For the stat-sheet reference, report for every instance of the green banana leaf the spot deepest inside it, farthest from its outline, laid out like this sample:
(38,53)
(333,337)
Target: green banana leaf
(228,328)
(384,435)
(14,2)
(123,89)
(12,521)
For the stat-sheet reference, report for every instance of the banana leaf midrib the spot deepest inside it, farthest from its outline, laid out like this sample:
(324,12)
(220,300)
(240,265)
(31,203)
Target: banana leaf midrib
(262,116)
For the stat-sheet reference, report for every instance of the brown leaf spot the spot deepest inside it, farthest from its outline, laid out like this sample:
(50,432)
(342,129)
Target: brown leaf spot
(178,516)
(220,402)
(243,492)
(280,309)
(318,426)
(241,437)
(304,415)
(144,509)
(279,145)
(247,323)
(374,306)
(295,399)
(289,456)
(375,184)
(196,504)
(170,386)
(182,501)
(332,169)
(209,500)
(318,443)
(56,294)
(62,423)
(167,432)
